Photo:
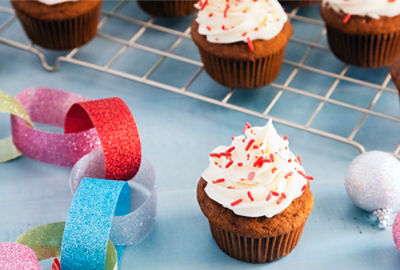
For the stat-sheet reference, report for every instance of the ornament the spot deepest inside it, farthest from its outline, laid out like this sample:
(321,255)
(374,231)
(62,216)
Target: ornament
(373,184)
(396,231)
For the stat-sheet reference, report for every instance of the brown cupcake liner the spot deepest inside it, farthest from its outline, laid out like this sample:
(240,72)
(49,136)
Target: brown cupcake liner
(61,34)
(168,8)
(243,73)
(299,3)
(256,250)
(374,50)
(395,73)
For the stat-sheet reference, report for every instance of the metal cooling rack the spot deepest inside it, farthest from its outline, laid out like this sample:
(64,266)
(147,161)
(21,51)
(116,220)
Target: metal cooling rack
(294,15)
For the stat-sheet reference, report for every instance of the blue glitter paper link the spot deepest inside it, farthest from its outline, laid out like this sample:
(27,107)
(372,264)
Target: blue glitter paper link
(89,222)
(132,228)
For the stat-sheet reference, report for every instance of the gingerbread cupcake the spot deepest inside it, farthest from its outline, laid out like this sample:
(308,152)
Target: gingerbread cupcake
(298,3)
(241,42)
(58,24)
(363,33)
(395,73)
(255,195)
(168,8)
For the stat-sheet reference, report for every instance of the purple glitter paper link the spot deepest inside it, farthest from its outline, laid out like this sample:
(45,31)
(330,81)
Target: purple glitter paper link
(135,226)
(49,106)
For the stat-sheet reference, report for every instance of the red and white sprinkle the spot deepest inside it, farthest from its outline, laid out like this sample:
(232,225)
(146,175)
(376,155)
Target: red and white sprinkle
(236,202)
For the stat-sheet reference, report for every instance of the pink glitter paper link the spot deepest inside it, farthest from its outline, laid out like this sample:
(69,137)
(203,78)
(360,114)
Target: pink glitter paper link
(396,231)
(15,256)
(49,106)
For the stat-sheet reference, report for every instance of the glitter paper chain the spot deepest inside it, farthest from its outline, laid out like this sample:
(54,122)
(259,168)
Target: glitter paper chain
(101,132)
(10,105)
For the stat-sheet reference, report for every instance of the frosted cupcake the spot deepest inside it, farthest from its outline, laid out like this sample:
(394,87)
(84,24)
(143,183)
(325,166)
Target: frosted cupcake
(58,24)
(241,42)
(255,194)
(364,33)
(395,73)
(298,3)
(168,8)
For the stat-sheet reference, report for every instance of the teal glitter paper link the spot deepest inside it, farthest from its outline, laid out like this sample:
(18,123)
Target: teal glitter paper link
(89,222)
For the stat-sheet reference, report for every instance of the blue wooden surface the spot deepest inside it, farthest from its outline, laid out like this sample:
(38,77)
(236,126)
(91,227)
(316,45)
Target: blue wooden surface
(177,134)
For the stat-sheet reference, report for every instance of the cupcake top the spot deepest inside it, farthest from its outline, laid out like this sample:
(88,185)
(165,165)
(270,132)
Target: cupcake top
(257,175)
(54,2)
(230,21)
(370,8)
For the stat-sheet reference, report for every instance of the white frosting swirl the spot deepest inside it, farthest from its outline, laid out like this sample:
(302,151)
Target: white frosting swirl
(250,189)
(54,2)
(229,21)
(370,8)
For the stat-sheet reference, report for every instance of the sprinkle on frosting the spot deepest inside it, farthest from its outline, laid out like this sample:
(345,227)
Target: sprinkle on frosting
(246,126)
(237,202)
(305,176)
(219,181)
(299,159)
(259,181)
(230,21)
(346,18)
(250,44)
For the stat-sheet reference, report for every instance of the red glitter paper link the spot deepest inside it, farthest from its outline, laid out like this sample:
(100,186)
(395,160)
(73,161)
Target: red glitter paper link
(117,130)
(56,264)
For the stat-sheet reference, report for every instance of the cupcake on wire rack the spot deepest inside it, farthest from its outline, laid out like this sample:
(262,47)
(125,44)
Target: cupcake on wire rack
(58,24)
(363,33)
(241,42)
(298,3)
(395,73)
(168,8)
(255,195)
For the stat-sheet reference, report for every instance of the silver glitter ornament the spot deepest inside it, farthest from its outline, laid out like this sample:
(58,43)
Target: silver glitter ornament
(373,184)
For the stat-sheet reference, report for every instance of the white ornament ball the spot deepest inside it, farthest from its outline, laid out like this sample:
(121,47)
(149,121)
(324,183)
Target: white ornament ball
(373,181)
